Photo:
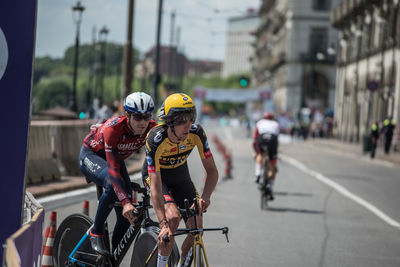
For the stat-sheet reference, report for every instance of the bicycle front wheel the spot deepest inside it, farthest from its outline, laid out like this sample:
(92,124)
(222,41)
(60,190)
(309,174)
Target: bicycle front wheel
(264,200)
(200,260)
(68,234)
(142,250)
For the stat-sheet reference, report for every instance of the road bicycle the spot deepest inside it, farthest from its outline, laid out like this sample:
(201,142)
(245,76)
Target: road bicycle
(265,186)
(197,254)
(72,245)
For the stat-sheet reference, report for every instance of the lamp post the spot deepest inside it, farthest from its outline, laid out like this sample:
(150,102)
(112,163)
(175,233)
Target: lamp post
(156,80)
(102,39)
(77,11)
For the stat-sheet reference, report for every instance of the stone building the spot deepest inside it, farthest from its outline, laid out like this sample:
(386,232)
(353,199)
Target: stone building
(368,80)
(294,53)
(239,41)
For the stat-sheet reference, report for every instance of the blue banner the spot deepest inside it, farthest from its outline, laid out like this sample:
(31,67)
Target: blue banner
(17,39)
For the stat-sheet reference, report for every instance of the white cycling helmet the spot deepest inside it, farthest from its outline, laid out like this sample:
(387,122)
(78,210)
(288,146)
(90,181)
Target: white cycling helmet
(138,102)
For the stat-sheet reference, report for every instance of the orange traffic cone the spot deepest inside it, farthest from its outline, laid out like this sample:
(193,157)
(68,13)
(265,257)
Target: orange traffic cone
(134,197)
(47,259)
(85,209)
(228,166)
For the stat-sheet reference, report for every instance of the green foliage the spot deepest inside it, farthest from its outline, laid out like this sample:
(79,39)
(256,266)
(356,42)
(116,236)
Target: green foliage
(88,54)
(49,95)
(45,66)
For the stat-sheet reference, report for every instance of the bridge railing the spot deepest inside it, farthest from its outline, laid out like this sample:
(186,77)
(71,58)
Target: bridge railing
(54,149)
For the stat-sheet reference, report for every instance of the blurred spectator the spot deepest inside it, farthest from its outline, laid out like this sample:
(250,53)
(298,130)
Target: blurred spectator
(103,114)
(374,138)
(388,128)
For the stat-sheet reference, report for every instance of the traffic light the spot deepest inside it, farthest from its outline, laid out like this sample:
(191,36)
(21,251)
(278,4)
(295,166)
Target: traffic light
(244,81)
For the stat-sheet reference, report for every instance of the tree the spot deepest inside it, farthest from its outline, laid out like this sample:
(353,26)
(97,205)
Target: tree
(52,94)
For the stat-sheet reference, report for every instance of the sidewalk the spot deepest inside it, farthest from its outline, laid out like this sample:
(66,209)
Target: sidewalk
(356,149)
(68,183)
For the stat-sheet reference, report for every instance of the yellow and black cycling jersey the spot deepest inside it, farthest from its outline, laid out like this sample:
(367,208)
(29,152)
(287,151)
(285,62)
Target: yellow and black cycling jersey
(161,153)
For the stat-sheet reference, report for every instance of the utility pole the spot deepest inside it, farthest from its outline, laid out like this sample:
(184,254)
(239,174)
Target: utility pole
(156,78)
(180,61)
(128,58)
(91,90)
(171,45)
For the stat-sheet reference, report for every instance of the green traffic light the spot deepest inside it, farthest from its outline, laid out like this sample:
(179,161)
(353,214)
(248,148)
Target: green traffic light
(243,82)
(82,115)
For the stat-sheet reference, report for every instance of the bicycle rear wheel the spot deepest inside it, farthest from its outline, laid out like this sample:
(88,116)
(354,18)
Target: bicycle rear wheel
(144,244)
(68,234)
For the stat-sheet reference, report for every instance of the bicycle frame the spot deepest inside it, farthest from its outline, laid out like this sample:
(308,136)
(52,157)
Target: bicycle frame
(195,232)
(198,241)
(116,257)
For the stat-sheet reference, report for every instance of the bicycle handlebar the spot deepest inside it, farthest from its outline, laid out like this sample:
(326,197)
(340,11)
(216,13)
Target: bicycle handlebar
(184,231)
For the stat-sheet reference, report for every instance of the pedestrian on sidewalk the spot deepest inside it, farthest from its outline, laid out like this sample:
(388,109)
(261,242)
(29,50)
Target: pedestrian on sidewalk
(374,138)
(388,129)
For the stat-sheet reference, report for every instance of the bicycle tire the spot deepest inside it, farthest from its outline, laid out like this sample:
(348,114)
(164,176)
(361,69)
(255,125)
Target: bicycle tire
(144,244)
(67,237)
(200,261)
(264,200)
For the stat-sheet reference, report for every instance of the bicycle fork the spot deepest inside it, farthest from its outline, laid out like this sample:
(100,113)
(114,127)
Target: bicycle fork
(198,241)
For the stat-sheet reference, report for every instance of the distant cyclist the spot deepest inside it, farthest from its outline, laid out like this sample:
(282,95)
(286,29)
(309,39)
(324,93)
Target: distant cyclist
(102,158)
(265,142)
(167,148)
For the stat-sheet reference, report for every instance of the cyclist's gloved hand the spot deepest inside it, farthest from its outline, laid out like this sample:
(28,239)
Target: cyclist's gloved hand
(203,205)
(127,212)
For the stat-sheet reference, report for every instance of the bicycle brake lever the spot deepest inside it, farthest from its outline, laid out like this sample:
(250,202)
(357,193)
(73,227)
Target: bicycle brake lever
(225,232)
(136,214)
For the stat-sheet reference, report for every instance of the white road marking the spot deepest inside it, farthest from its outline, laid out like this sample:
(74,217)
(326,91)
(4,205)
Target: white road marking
(342,190)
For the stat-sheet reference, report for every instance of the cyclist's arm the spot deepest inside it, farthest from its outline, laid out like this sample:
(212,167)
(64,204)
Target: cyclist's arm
(255,137)
(113,165)
(211,178)
(156,195)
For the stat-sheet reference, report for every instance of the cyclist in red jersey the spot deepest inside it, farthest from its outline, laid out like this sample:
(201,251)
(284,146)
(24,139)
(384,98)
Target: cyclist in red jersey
(101,160)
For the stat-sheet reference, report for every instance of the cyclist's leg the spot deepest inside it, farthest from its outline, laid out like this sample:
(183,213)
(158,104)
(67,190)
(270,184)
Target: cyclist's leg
(122,224)
(258,160)
(272,169)
(95,169)
(187,190)
(261,149)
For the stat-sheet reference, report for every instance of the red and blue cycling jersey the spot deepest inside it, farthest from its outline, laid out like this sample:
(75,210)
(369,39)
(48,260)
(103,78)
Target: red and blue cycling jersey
(114,141)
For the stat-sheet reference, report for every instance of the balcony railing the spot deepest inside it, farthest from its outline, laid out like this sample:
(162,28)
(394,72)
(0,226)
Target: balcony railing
(347,9)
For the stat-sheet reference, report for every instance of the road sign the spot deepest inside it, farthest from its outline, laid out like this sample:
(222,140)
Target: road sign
(17,39)
(372,86)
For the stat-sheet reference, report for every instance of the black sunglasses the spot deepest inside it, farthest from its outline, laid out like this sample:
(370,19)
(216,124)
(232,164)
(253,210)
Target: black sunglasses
(139,117)
(183,119)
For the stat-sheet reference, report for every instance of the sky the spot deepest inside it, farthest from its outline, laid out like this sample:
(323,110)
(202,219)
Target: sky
(203,24)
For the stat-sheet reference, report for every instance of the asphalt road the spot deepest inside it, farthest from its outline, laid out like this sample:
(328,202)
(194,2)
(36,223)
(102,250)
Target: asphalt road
(331,209)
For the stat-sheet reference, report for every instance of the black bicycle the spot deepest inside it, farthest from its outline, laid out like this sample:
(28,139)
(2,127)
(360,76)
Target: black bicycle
(72,245)
(197,253)
(265,188)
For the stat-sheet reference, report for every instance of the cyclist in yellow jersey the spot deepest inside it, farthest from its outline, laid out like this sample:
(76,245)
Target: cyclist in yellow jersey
(167,148)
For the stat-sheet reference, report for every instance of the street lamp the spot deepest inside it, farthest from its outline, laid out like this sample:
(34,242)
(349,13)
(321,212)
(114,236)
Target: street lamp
(77,16)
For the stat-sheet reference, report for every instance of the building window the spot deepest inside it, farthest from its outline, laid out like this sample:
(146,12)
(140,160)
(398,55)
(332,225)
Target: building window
(318,40)
(322,5)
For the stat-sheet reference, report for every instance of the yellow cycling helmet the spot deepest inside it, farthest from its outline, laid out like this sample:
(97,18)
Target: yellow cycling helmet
(175,107)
